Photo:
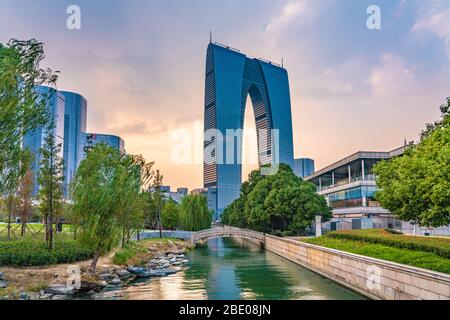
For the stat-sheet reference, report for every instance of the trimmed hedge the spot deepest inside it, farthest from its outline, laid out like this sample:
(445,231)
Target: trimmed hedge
(439,246)
(420,259)
(30,252)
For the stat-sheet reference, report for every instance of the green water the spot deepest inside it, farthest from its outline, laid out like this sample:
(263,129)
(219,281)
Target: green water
(235,269)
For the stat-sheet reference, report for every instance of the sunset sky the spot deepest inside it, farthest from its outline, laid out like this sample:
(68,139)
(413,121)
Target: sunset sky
(140,64)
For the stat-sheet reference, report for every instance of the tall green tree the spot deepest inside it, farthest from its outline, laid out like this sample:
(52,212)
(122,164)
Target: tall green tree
(21,109)
(277,202)
(25,197)
(137,175)
(51,178)
(155,203)
(194,213)
(416,186)
(97,192)
(170,215)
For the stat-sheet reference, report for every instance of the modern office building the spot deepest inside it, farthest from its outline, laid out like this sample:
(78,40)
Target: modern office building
(113,141)
(304,167)
(35,140)
(165,189)
(183,191)
(349,185)
(175,196)
(74,134)
(230,78)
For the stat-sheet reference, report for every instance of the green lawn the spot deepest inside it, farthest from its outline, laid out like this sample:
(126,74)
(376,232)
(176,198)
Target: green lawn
(427,253)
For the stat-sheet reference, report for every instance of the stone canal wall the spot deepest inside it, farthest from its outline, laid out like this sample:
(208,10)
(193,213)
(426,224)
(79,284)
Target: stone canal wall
(374,278)
(377,279)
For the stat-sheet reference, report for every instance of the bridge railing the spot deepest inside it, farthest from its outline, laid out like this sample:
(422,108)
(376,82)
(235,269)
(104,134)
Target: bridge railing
(227,231)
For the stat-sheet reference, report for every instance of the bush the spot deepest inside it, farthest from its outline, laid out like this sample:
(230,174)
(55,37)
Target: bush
(420,259)
(393,231)
(29,252)
(287,234)
(277,233)
(124,255)
(439,246)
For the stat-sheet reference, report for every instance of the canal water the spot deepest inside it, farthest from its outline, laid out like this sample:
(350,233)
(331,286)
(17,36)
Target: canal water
(234,269)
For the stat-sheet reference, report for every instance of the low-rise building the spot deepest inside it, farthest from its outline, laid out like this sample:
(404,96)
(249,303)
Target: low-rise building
(349,184)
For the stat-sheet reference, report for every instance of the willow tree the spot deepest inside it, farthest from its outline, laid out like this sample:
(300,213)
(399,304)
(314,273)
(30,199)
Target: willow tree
(25,197)
(21,109)
(194,213)
(155,203)
(97,192)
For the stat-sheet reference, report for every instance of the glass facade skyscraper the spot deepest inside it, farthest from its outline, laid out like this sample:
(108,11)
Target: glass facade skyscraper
(74,133)
(230,78)
(113,141)
(303,167)
(34,140)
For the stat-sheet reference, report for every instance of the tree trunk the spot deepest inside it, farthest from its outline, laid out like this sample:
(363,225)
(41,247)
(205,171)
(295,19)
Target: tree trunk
(9,218)
(123,238)
(50,234)
(160,225)
(94,261)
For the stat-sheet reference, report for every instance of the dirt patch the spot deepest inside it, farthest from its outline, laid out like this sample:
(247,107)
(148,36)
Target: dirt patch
(35,279)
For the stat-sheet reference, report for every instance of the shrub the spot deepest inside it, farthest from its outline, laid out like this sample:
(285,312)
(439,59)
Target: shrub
(439,246)
(28,252)
(420,259)
(287,234)
(277,233)
(124,255)
(393,231)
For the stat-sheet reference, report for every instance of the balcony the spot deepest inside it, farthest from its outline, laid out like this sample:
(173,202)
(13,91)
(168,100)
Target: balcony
(348,183)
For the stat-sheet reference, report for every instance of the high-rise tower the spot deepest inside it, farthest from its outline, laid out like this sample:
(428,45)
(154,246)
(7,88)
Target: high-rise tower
(230,78)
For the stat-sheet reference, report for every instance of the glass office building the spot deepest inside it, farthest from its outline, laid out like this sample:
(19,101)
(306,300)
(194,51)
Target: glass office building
(35,140)
(349,184)
(230,78)
(113,141)
(304,167)
(74,134)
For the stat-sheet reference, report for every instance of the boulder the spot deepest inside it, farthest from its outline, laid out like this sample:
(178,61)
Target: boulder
(24,296)
(3,284)
(1,275)
(139,272)
(59,297)
(45,296)
(105,276)
(58,289)
(115,281)
(122,273)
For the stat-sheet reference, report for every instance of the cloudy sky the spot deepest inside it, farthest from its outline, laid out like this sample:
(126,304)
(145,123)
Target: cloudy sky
(140,65)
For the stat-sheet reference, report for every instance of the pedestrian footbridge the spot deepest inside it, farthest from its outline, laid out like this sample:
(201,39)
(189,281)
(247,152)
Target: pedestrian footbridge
(227,232)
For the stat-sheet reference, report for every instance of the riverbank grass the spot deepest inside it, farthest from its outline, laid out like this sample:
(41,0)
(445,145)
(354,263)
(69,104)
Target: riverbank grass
(421,252)
(139,252)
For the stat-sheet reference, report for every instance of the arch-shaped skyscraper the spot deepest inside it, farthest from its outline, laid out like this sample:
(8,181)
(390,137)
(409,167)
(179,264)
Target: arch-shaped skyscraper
(230,78)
